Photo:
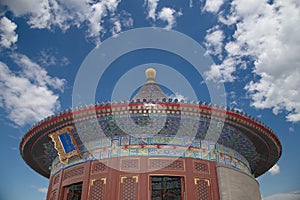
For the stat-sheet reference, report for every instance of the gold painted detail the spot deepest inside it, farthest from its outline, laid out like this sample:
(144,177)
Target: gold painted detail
(136,178)
(65,144)
(102,179)
(196,180)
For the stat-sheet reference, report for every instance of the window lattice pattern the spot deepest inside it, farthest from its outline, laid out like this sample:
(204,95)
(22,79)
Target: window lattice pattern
(166,164)
(202,190)
(56,179)
(97,192)
(129,189)
(130,164)
(99,167)
(201,167)
(74,172)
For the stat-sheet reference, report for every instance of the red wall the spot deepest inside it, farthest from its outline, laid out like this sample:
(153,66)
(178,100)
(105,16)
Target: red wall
(132,178)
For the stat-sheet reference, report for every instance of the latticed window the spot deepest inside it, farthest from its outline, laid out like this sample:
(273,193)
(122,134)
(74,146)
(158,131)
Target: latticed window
(73,172)
(97,189)
(201,167)
(99,167)
(129,190)
(130,164)
(166,164)
(202,189)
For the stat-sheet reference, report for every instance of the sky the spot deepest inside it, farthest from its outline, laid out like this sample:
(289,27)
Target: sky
(253,45)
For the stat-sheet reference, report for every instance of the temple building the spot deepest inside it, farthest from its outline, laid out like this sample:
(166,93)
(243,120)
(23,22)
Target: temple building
(151,147)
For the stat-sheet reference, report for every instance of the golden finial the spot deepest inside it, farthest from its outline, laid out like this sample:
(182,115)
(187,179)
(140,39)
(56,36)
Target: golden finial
(150,75)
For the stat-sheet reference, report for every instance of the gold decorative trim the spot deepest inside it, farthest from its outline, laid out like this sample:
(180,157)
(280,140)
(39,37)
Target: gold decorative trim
(97,179)
(134,177)
(122,177)
(198,179)
(58,144)
(92,183)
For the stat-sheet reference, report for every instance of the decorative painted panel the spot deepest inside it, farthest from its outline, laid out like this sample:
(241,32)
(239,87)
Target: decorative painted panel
(157,146)
(65,144)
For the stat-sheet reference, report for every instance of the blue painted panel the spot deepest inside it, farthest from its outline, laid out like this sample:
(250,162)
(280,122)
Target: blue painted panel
(66,142)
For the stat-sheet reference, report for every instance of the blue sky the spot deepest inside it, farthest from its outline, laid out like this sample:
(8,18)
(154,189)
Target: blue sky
(254,44)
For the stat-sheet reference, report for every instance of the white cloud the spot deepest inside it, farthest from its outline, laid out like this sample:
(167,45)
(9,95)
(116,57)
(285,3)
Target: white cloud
(178,96)
(43,190)
(97,11)
(152,5)
(191,3)
(165,14)
(50,57)
(50,14)
(47,59)
(169,15)
(36,74)
(21,7)
(213,5)
(214,41)
(8,36)
(295,195)
(222,72)
(117,27)
(274,170)
(121,20)
(291,130)
(26,95)
(266,35)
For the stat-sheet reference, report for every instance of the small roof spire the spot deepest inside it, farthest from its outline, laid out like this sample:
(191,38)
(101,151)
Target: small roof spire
(150,90)
(150,75)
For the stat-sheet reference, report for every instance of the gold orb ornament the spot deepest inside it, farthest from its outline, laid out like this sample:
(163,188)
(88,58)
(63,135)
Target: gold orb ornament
(150,75)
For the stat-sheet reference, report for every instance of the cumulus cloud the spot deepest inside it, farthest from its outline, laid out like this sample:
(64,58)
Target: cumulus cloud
(8,36)
(63,14)
(120,21)
(294,195)
(214,41)
(274,170)
(213,5)
(151,8)
(222,72)
(36,74)
(166,14)
(266,39)
(169,15)
(27,95)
